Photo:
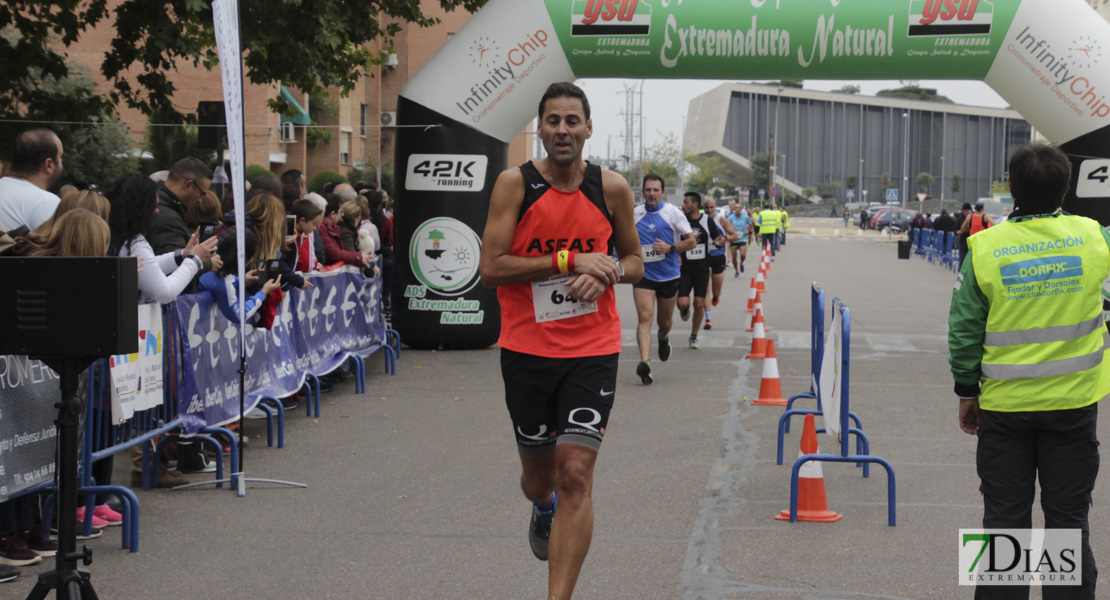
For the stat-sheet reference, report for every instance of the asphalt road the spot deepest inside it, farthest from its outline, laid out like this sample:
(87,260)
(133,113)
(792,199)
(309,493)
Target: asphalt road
(413,487)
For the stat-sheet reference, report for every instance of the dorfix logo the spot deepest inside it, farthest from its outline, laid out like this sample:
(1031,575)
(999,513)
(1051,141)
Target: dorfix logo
(610,17)
(950,17)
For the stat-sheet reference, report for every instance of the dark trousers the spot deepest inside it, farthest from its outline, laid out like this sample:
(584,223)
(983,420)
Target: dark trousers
(1059,447)
(769,240)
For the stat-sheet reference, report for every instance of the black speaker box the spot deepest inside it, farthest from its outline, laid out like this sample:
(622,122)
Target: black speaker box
(69,307)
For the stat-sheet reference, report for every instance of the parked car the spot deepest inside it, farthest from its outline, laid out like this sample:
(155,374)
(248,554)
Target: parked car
(900,216)
(871,212)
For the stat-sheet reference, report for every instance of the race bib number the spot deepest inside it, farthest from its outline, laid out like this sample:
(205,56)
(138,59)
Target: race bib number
(551,302)
(697,253)
(650,255)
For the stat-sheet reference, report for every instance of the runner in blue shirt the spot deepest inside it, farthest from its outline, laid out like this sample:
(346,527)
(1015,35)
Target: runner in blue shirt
(664,233)
(742,223)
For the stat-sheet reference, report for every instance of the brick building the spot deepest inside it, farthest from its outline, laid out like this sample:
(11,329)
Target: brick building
(361,131)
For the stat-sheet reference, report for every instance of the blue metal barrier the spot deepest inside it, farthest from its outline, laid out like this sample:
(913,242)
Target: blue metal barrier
(863,454)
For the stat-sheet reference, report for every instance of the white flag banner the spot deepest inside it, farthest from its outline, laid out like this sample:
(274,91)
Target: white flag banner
(226,17)
(830,376)
(137,381)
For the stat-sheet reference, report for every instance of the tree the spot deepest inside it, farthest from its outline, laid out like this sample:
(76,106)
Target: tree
(761,171)
(910,90)
(957,180)
(167,143)
(664,158)
(851,181)
(925,181)
(711,173)
(306,44)
(884,182)
(97,147)
(1000,187)
(828,190)
(849,89)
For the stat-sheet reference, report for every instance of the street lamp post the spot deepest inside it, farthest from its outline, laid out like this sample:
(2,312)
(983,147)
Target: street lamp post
(775,150)
(859,181)
(942,182)
(905,157)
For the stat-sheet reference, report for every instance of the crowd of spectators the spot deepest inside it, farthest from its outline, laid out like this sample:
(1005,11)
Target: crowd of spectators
(184,237)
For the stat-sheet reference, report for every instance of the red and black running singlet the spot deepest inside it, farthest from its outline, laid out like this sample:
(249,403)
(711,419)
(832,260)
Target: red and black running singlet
(551,220)
(978,223)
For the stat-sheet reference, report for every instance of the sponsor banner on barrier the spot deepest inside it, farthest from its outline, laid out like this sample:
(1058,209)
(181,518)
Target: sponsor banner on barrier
(491,74)
(1052,68)
(314,330)
(137,378)
(829,39)
(832,362)
(28,391)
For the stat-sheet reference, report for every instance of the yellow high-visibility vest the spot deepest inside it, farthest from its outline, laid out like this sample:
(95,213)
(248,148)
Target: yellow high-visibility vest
(1045,333)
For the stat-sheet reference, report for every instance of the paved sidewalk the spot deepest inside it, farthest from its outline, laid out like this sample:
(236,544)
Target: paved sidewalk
(413,487)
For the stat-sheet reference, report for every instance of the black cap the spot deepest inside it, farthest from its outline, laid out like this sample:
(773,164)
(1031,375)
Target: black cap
(967,206)
(978,206)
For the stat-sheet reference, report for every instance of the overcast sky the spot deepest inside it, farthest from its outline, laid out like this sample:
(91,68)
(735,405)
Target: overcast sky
(667,100)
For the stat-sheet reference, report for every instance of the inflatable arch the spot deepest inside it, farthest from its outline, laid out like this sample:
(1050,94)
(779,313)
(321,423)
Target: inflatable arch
(1049,58)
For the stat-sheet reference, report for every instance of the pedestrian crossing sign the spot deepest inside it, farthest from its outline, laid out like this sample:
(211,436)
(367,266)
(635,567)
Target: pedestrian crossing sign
(892,195)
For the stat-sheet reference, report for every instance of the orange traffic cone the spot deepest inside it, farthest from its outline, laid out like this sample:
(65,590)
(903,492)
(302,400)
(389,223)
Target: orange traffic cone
(759,340)
(759,312)
(751,297)
(812,505)
(770,391)
(759,282)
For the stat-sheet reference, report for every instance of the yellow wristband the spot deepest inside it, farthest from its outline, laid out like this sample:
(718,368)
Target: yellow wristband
(563,256)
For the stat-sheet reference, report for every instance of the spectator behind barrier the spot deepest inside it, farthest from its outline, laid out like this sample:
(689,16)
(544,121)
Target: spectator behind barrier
(134,199)
(307,217)
(365,224)
(333,240)
(206,210)
(223,285)
(24,243)
(268,214)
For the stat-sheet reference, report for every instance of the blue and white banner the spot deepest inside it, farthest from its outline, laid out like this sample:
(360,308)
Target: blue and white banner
(314,331)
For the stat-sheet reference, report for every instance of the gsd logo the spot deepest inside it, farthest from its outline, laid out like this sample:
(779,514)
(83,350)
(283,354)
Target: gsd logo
(610,17)
(950,17)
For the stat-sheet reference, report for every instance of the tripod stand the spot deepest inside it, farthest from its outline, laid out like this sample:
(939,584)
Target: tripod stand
(70,582)
(42,317)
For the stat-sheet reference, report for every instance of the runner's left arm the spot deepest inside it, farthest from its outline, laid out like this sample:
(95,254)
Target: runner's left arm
(618,199)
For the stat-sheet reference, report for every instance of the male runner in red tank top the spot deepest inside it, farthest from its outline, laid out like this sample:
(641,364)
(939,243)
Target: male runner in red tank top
(547,246)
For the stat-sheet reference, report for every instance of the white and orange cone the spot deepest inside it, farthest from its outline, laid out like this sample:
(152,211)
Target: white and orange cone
(759,340)
(770,389)
(759,282)
(812,505)
(758,311)
(751,297)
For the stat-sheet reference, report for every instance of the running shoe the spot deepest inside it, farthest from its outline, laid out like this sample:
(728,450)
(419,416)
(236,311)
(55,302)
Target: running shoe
(664,347)
(684,313)
(539,529)
(694,342)
(110,516)
(741,267)
(708,324)
(736,274)
(644,371)
(38,543)
(97,522)
(14,552)
(8,573)
(716,300)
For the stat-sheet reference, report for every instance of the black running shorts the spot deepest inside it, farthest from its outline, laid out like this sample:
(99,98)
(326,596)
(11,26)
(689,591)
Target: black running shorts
(662,289)
(717,263)
(693,279)
(558,400)
(739,244)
